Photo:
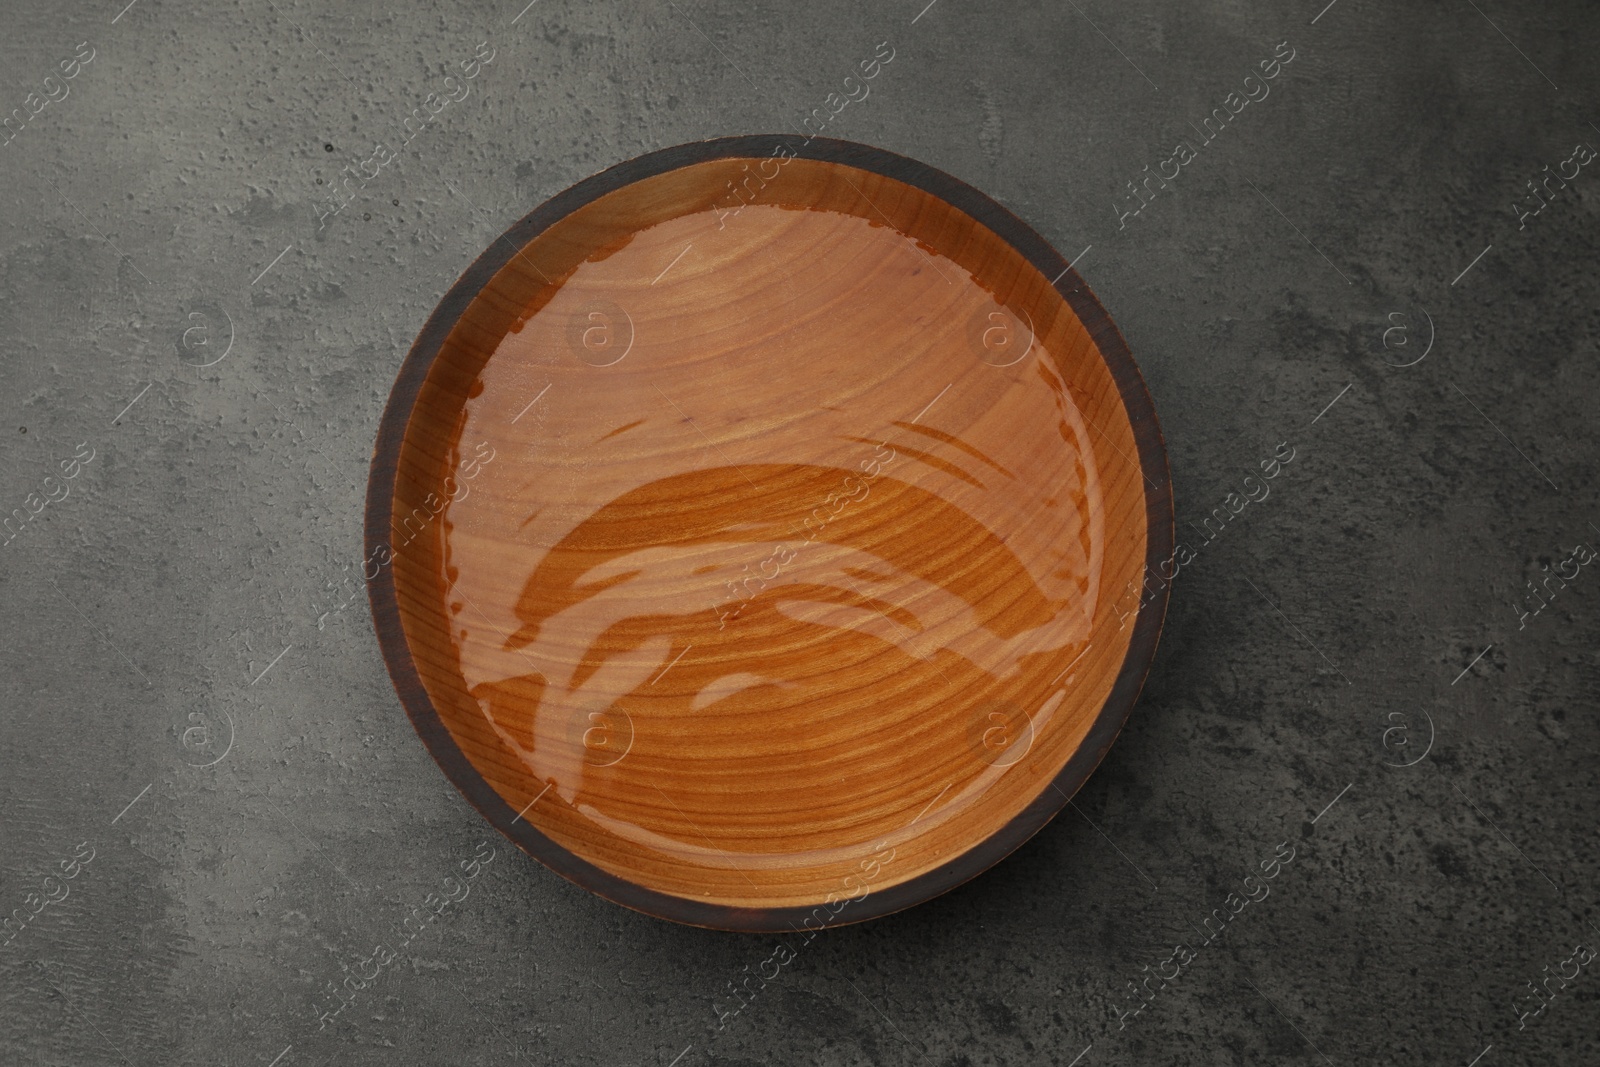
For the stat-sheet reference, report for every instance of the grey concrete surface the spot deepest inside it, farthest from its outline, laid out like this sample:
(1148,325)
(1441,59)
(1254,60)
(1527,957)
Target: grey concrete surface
(187,601)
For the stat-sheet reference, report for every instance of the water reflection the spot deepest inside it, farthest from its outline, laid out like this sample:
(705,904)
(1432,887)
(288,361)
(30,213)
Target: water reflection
(872,616)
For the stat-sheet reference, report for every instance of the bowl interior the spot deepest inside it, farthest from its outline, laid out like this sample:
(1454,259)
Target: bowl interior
(766,533)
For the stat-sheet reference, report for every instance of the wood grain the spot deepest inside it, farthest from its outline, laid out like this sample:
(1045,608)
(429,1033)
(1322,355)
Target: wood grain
(765,536)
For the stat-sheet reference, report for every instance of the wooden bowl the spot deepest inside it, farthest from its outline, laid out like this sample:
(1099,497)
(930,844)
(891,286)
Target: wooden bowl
(758,533)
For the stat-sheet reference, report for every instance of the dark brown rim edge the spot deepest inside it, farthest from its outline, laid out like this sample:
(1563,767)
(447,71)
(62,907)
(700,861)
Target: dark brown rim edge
(1113,714)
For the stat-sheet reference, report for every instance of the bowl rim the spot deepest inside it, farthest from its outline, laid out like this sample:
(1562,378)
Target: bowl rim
(981,854)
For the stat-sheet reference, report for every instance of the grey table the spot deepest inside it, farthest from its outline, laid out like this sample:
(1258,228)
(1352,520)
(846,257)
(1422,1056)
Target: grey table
(203,753)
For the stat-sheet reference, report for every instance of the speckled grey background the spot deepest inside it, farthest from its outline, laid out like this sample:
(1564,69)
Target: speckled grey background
(189,600)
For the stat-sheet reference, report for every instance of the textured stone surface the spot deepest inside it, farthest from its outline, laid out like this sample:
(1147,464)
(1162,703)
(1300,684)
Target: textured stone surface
(209,537)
